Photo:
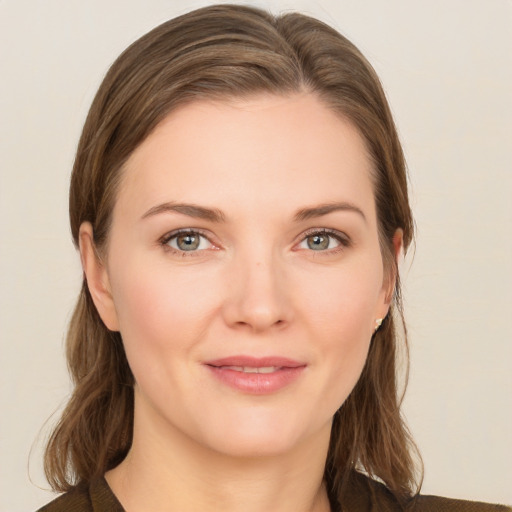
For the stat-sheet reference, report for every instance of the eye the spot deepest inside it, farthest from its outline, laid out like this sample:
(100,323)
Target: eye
(186,241)
(323,240)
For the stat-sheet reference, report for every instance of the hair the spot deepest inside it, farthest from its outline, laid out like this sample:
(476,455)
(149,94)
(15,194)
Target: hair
(222,52)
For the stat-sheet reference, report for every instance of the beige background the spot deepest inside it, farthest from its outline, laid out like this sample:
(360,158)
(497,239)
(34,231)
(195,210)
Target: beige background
(447,68)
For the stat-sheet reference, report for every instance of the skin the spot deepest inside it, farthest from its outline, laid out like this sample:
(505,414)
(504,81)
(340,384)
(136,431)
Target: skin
(256,285)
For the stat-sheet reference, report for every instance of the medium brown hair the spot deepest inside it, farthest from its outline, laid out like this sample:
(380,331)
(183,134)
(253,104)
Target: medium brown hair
(221,52)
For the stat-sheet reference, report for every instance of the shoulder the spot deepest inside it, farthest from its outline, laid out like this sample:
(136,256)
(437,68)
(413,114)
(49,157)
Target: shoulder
(438,504)
(96,497)
(76,500)
(366,494)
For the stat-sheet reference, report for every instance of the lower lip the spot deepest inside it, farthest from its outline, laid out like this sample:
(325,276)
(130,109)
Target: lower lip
(257,383)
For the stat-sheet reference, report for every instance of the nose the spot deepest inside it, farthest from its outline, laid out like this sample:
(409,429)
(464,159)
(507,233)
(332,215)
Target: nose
(258,297)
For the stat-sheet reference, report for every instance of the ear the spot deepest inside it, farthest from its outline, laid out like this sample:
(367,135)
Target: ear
(97,278)
(392,272)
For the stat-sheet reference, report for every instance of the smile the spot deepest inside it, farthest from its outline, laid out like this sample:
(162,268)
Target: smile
(251,369)
(258,376)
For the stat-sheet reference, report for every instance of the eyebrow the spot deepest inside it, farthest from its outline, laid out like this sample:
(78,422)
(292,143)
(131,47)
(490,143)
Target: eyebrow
(216,215)
(324,209)
(191,210)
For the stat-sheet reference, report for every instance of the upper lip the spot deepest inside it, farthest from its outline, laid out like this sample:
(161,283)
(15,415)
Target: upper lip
(255,362)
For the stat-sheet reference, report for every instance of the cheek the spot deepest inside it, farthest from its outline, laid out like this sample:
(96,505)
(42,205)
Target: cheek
(344,303)
(341,317)
(159,314)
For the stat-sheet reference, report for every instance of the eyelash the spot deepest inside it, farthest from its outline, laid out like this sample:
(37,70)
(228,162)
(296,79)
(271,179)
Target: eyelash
(164,241)
(342,238)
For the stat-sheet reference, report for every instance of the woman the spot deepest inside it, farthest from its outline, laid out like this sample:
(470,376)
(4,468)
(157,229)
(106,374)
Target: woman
(239,198)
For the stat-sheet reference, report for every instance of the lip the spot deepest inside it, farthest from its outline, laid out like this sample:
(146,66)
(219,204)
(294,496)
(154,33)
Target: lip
(277,373)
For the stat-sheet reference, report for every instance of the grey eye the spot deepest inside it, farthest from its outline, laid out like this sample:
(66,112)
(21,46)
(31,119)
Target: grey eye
(188,242)
(321,241)
(318,242)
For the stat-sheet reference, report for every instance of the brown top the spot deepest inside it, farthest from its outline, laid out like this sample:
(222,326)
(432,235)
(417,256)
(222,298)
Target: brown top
(98,497)
(365,496)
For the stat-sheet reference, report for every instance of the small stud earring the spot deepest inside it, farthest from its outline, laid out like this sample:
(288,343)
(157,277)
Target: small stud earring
(378,323)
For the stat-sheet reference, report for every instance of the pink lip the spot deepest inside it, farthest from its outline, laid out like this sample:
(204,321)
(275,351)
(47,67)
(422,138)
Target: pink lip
(286,371)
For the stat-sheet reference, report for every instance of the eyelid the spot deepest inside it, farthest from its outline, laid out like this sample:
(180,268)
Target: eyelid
(165,239)
(344,240)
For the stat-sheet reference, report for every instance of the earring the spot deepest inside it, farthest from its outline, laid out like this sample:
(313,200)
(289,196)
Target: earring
(378,323)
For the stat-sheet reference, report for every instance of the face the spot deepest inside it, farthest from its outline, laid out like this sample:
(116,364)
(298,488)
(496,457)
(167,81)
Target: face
(244,272)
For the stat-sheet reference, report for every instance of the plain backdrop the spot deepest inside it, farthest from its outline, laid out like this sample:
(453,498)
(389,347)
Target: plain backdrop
(447,68)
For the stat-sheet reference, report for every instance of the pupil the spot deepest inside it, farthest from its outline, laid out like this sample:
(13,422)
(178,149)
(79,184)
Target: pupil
(188,242)
(316,242)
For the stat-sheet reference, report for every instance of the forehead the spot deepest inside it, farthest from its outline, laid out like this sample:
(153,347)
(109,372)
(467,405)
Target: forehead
(263,151)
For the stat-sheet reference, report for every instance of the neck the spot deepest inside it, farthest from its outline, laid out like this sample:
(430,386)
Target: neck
(166,470)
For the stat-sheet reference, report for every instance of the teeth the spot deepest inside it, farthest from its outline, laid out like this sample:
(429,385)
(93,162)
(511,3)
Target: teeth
(267,369)
(250,369)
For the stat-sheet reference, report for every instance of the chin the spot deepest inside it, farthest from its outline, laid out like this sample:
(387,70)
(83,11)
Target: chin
(257,446)
(264,435)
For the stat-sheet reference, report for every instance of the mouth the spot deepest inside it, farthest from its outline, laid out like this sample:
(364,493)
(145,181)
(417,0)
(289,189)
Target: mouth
(256,375)
(251,369)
